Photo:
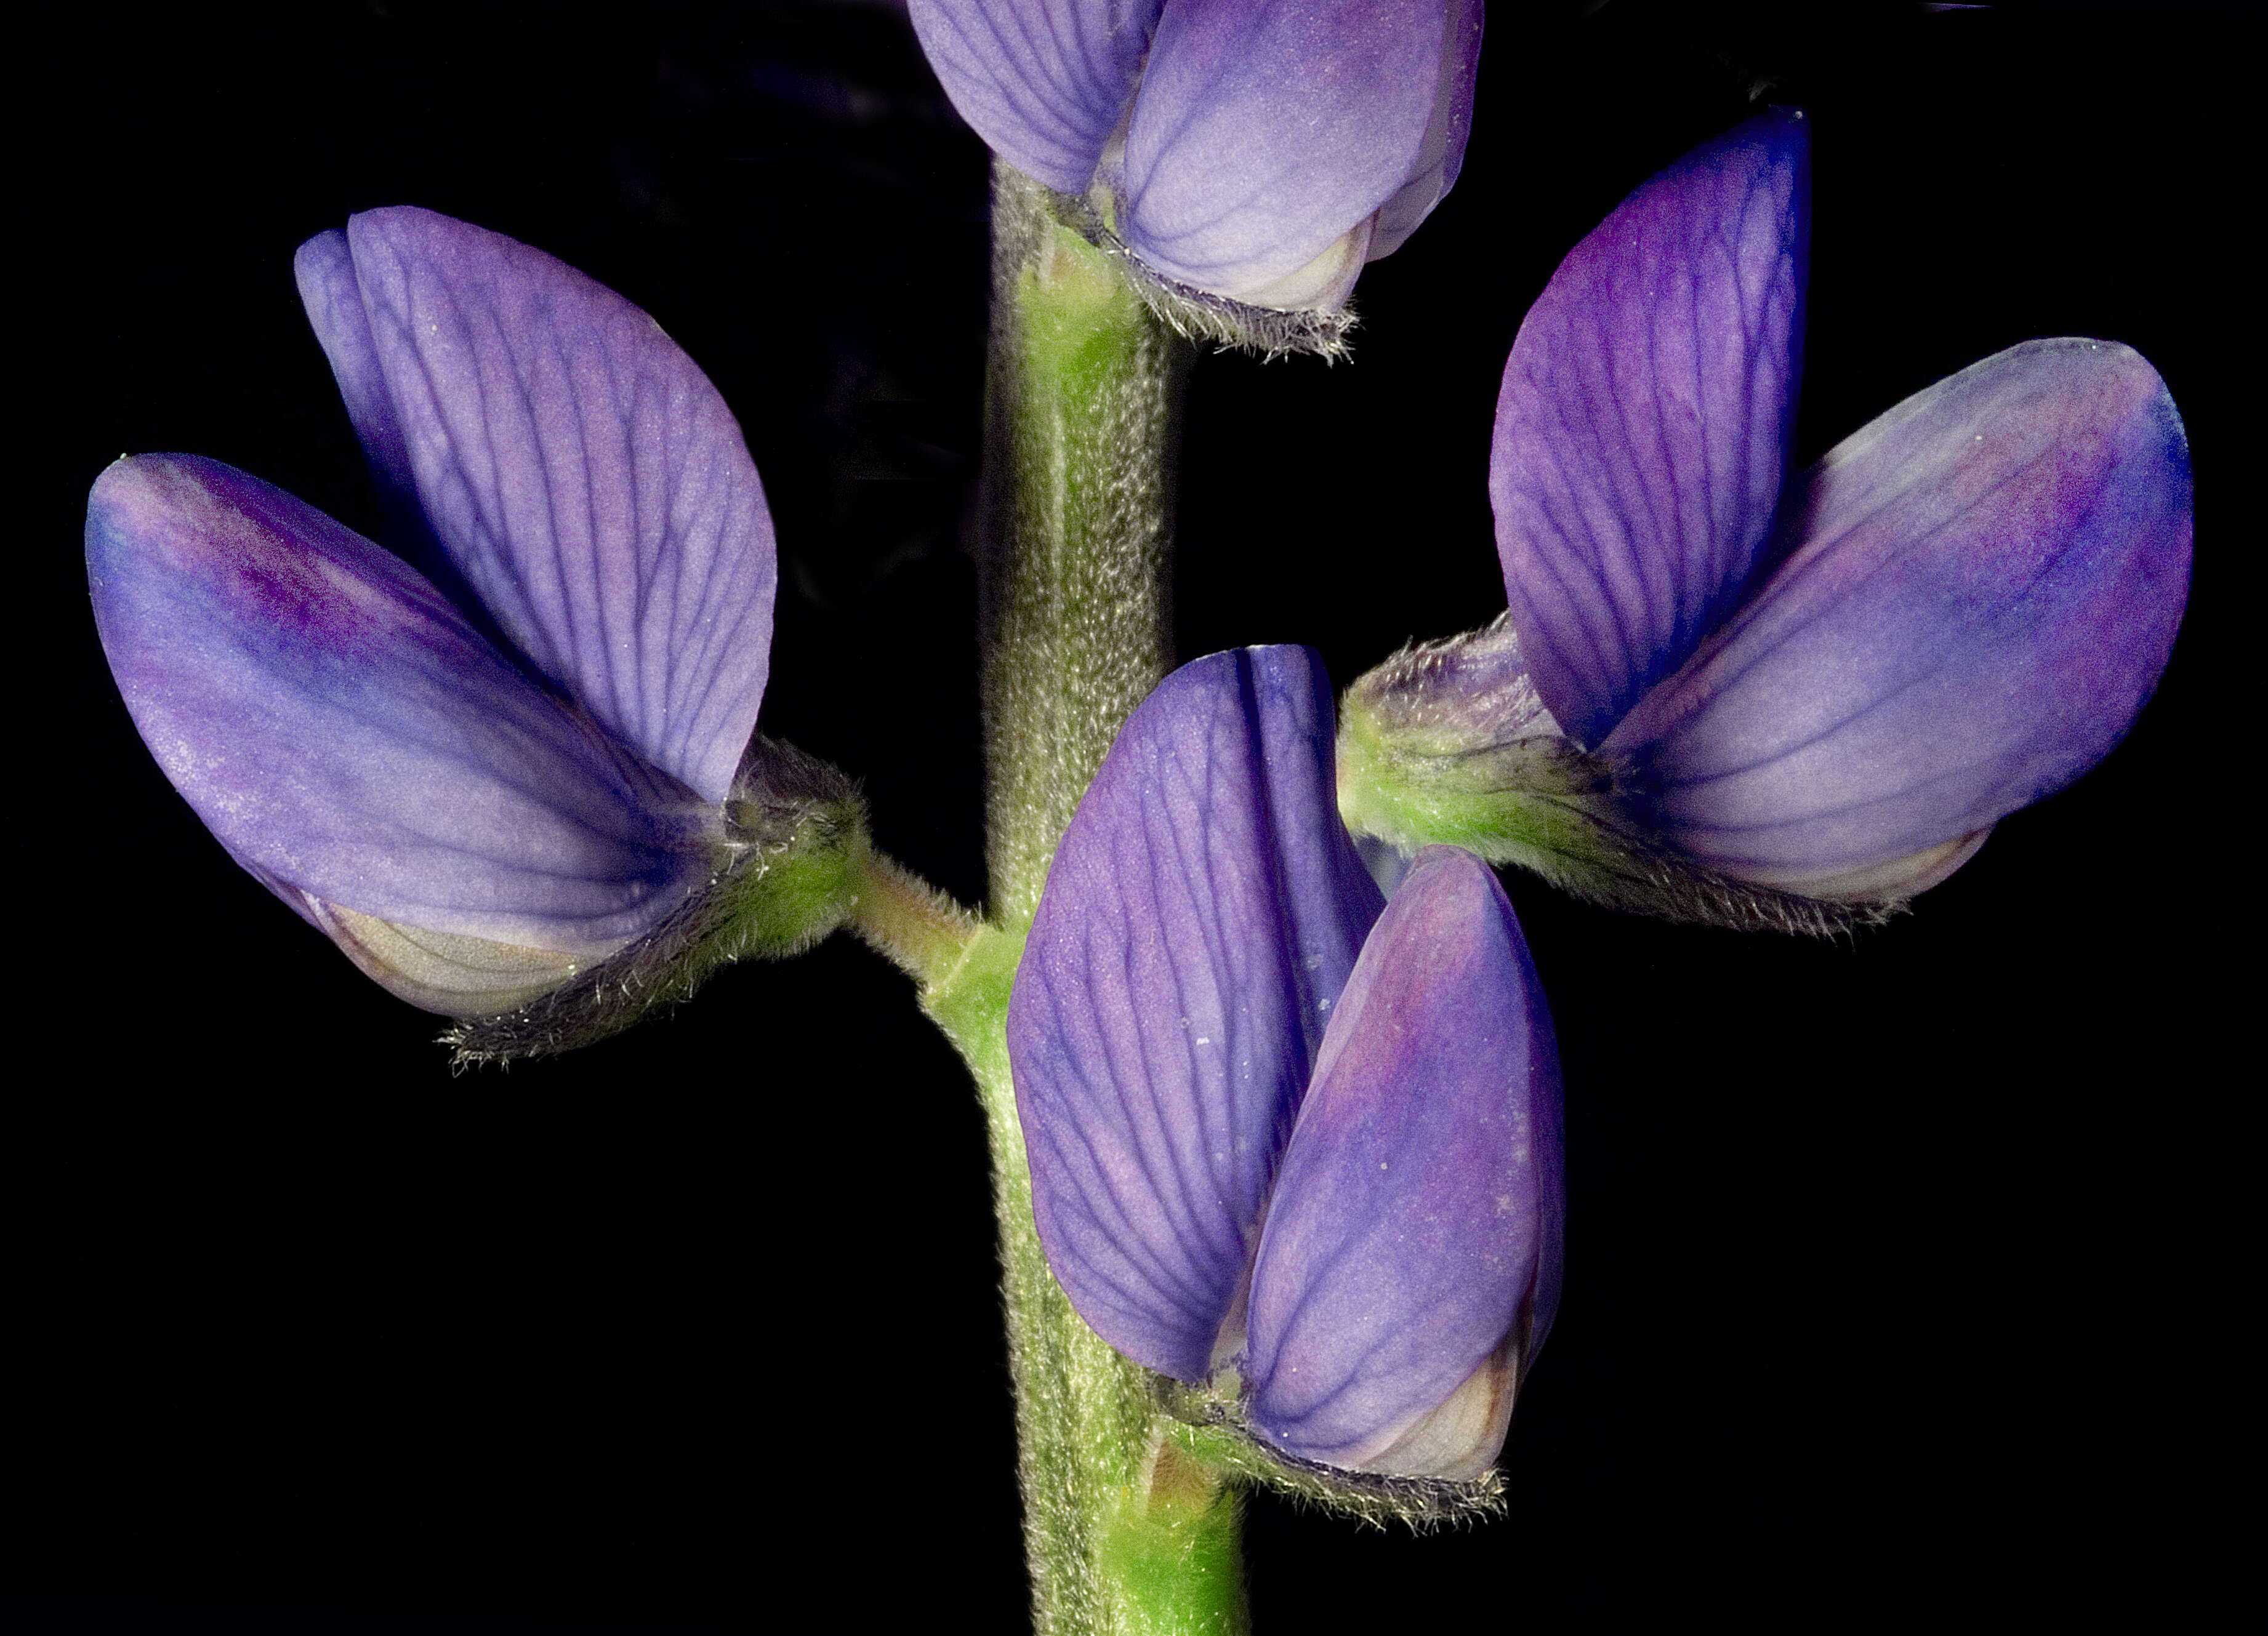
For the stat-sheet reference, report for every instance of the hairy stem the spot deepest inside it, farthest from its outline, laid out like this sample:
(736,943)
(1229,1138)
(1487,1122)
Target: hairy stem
(1082,393)
(904,918)
(1124,1533)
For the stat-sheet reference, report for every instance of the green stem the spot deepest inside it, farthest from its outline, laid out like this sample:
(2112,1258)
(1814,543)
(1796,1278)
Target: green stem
(902,917)
(1124,1533)
(1081,399)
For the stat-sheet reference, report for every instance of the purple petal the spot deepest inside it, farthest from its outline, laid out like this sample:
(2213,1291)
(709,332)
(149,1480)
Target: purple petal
(1643,428)
(1200,919)
(580,469)
(1989,587)
(1267,132)
(324,269)
(1409,1267)
(1442,154)
(352,741)
(1043,81)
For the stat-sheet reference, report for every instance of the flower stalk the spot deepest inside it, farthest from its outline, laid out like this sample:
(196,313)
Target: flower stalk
(906,920)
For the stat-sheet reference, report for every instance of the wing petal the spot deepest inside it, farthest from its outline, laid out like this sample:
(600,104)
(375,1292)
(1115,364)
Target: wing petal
(1200,919)
(1643,427)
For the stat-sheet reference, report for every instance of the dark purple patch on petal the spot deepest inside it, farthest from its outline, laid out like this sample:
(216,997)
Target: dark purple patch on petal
(1643,428)
(578,469)
(1988,588)
(344,733)
(1267,130)
(1199,921)
(1417,1220)
(1043,81)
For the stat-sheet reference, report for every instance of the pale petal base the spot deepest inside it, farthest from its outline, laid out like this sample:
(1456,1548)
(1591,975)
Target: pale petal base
(1874,883)
(1323,284)
(444,972)
(1460,1438)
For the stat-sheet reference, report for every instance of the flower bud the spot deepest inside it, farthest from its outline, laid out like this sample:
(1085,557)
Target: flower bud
(1295,1154)
(1255,154)
(523,785)
(1974,596)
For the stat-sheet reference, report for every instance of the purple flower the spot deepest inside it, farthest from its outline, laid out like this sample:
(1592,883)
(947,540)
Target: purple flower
(1259,150)
(475,802)
(1832,692)
(1271,1129)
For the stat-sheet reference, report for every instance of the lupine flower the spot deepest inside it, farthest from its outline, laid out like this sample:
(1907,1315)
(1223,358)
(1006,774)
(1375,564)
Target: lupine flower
(1832,693)
(1280,1139)
(475,801)
(1257,149)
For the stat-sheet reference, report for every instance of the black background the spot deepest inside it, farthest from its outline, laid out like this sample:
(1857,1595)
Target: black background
(1901,1269)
